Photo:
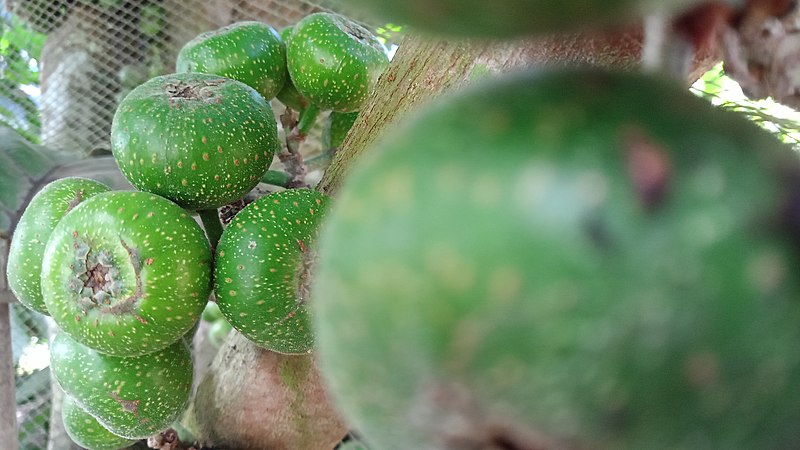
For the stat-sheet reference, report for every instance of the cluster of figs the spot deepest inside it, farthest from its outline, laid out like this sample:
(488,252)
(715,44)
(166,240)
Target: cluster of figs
(559,258)
(126,275)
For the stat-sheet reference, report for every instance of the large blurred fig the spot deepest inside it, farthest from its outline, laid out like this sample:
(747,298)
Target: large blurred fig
(569,259)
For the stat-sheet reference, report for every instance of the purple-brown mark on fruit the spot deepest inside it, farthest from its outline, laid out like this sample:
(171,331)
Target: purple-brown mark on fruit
(131,406)
(75,201)
(649,168)
(789,213)
(702,369)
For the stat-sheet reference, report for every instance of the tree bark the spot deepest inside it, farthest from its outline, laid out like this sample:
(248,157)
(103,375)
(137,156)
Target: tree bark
(255,399)
(424,68)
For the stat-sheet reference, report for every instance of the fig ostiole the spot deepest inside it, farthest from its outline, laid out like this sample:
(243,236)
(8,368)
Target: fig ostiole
(126,273)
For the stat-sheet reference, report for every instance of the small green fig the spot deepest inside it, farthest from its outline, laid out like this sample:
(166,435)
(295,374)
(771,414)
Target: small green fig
(132,397)
(200,140)
(126,273)
(42,214)
(334,62)
(251,52)
(263,269)
(86,431)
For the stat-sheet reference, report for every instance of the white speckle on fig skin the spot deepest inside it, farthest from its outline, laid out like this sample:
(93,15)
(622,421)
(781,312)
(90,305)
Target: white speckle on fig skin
(261,270)
(162,266)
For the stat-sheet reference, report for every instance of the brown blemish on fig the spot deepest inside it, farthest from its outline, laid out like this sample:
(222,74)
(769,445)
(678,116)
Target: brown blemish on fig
(75,201)
(179,91)
(131,406)
(649,168)
(449,413)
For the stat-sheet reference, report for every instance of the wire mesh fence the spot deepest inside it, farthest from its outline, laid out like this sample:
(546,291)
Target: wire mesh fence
(32,377)
(64,67)
(89,54)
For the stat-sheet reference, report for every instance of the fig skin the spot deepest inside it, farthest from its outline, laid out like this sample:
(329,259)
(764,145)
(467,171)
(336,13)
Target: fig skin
(565,259)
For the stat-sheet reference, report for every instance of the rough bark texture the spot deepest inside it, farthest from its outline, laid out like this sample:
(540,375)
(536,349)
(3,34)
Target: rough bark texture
(254,399)
(421,69)
(424,68)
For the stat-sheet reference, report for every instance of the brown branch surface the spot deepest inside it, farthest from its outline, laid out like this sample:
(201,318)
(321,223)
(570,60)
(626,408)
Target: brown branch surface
(254,399)
(425,68)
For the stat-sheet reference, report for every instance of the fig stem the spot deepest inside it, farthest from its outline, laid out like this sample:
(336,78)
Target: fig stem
(277,178)
(290,156)
(212,225)
(307,119)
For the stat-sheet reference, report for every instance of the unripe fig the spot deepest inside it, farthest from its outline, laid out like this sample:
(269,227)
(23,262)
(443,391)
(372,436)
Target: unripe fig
(566,259)
(263,269)
(200,140)
(126,273)
(86,431)
(249,51)
(133,397)
(42,214)
(333,61)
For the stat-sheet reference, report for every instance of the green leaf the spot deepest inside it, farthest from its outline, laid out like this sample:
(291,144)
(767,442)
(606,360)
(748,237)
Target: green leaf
(19,34)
